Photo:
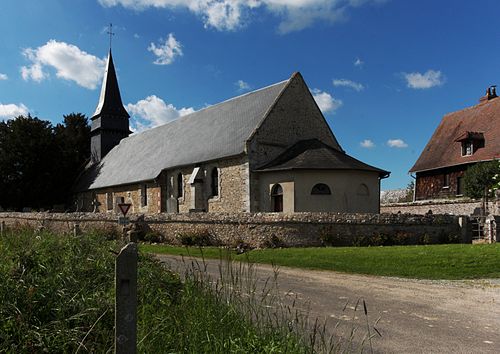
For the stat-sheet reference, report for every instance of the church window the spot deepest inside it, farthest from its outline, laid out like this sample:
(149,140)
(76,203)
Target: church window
(277,198)
(144,195)
(363,190)
(320,189)
(180,186)
(109,201)
(214,185)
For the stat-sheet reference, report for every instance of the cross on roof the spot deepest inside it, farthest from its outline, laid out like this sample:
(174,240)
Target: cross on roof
(111,34)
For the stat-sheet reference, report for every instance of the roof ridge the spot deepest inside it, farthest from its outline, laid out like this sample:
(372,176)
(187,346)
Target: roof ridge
(469,108)
(210,106)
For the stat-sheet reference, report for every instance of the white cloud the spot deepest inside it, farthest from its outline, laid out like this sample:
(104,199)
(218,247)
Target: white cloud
(9,111)
(231,14)
(358,62)
(397,143)
(3,77)
(152,112)
(367,143)
(325,101)
(242,85)
(68,60)
(427,80)
(348,83)
(167,52)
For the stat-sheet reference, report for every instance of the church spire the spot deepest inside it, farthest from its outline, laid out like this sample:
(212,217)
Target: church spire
(110,101)
(110,120)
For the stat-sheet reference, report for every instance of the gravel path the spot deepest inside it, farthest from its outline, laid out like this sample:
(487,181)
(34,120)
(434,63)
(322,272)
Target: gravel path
(416,316)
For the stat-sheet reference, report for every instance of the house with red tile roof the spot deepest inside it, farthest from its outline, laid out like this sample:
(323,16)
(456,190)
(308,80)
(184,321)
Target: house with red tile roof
(462,138)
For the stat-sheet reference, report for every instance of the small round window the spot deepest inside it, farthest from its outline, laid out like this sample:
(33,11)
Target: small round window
(320,189)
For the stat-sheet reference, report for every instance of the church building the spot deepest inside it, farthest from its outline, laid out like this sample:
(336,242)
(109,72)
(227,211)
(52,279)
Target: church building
(270,150)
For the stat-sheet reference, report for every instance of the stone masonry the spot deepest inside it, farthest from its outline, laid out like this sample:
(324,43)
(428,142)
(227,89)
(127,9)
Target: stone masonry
(261,229)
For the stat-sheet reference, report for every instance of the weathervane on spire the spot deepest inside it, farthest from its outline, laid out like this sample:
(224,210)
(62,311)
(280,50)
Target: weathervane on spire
(111,34)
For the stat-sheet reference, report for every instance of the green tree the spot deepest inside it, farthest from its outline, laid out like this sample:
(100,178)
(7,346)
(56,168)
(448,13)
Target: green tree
(479,180)
(39,163)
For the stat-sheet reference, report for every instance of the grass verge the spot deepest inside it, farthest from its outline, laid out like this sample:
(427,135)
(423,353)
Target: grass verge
(421,262)
(58,297)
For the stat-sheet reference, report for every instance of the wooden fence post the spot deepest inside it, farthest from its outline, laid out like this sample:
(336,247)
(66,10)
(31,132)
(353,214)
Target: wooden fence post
(126,300)
(2,228)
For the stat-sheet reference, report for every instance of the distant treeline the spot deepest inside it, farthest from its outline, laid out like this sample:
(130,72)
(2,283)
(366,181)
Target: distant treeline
(39,162)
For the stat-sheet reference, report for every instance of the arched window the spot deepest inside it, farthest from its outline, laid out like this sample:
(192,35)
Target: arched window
(214,185)
(277,198)
(320,189)
(180,186)
(363,190)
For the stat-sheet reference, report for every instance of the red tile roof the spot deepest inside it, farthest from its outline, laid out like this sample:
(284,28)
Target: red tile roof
(444,149)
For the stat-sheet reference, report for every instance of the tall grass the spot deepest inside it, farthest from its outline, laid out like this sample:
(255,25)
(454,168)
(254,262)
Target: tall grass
(58,296)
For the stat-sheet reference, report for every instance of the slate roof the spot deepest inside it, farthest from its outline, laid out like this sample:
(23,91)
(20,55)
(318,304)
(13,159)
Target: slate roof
(444,147)
(110,101)
(313,154)
(212,133)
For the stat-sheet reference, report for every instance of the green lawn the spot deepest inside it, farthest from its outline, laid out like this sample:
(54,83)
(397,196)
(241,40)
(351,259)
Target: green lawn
(422,262)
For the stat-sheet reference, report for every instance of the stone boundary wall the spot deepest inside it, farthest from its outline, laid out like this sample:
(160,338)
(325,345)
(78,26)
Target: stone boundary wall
(453,207)
(264,229)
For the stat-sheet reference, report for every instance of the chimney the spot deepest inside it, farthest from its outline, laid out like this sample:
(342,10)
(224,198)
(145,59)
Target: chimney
(491,92)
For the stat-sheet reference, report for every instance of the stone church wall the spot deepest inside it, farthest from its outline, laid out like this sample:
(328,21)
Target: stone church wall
(264,229)
(131,194)
(294,117)
(232,191)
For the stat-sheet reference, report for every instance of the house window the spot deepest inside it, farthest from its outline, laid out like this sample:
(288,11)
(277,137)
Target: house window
(180,186)
(320,189)
(363,190)
(446,180)
(460,186)
(109,201)
(467,148)
(144,195)
(214,184)
(277,198)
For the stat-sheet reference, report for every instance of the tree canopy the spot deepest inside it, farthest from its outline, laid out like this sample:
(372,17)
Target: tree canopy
(480,178)
(39,163)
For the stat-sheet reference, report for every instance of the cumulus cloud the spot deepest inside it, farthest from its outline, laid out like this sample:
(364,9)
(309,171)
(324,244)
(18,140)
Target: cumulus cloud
(167,52)
(69,62)
(426,80)
(397,143)
(358,62)
(367,143)
(349,84)
(242,85)
(325,101)
(152,112)
(9,111)
(3,77)
(232,14)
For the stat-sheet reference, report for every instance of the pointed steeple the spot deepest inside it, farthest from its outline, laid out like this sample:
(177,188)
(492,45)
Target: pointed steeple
(110,101)
(110,120)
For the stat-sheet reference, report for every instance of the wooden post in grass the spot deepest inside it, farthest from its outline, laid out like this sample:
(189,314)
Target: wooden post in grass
(126,300)
(2,228)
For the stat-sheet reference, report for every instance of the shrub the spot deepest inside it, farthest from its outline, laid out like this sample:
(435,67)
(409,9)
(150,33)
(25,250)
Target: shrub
(272,241)
(196,238)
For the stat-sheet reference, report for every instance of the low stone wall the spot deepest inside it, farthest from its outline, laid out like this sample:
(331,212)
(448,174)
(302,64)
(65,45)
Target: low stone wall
(266,229)
(453,207)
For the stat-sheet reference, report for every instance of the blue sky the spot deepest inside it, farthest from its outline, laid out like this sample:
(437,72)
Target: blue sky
(384,72)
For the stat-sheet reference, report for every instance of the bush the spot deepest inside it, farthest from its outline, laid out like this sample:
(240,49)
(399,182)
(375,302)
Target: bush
(196,238)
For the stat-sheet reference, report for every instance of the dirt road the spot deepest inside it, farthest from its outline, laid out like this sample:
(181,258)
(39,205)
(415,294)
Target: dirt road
(416,316)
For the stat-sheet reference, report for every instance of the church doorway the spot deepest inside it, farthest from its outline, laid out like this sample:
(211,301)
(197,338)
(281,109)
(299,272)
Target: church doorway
(277,198)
